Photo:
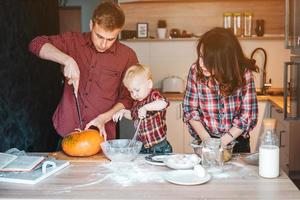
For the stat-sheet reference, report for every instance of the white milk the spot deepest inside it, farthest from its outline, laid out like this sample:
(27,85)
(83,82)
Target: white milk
(269,161)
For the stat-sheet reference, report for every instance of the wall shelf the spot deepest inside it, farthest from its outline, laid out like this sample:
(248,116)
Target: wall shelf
(266,37)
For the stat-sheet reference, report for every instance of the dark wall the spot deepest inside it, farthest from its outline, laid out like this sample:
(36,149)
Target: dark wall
(30,88)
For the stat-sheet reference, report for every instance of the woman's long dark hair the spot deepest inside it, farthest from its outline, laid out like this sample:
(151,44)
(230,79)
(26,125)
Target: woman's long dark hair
(223,57)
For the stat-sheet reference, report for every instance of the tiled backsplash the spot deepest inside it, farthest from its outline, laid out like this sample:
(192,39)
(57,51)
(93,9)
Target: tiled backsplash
(169,57)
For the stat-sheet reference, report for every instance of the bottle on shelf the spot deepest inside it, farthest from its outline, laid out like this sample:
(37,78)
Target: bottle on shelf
(248,24)
(269,151)
(260,27)
(237,24)
(227,20)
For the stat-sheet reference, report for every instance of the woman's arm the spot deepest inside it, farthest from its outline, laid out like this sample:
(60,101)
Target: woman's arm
(246,120)
(191,107)
(199,129)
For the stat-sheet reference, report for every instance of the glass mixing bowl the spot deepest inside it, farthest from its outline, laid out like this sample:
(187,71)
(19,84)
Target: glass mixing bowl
(119,151)
(227,151)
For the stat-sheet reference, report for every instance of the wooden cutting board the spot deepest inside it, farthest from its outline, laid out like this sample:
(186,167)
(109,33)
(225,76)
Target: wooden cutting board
(59,155)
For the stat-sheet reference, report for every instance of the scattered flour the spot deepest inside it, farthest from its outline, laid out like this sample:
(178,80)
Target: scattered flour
(130,173)
(234,169)
(136,172)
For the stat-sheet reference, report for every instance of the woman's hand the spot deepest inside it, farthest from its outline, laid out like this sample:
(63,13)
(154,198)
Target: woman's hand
(72,73)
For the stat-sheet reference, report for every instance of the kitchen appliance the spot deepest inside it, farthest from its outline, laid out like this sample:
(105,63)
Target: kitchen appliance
(173,84)
(292,68)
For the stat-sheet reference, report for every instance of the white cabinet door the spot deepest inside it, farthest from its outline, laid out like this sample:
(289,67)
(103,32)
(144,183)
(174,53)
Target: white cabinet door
(177,133)
(187,139)
(282,131)
(263,112)
(175,126)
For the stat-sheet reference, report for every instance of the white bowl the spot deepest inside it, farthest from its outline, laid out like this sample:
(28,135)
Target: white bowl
(182,161)
(119,151)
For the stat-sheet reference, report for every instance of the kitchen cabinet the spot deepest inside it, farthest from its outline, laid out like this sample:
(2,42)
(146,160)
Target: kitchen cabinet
(177,133)
(289,137)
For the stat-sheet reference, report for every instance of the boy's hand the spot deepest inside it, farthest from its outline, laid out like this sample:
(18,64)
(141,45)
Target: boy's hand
(118,115)
(142,112)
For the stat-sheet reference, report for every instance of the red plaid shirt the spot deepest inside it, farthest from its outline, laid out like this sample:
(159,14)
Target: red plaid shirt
(203,102)
(153,128)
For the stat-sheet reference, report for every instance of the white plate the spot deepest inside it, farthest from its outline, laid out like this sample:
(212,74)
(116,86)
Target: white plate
(185,177)
(156,160)
(182,161)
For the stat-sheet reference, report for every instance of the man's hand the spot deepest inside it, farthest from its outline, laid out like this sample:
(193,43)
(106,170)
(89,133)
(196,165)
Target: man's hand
(72,73)
(98,122)
(142,112)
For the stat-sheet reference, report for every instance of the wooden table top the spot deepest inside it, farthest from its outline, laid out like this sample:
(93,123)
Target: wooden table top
(140,180)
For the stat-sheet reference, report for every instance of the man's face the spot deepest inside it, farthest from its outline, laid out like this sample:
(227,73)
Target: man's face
(101,38)
(139,87)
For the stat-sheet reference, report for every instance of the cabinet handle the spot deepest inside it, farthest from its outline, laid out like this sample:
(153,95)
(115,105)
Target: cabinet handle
(280,136)
(180,110)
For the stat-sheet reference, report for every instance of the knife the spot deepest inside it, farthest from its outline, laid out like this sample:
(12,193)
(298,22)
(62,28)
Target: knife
(78,110)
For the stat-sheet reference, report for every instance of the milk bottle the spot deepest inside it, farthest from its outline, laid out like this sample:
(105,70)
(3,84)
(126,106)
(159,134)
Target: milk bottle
(269,151)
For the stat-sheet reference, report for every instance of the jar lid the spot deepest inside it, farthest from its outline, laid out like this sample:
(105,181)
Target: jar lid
(237,14)
(247,13)
(227,14)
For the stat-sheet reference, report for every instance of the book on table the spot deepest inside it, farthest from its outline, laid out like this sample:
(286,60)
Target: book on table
(23,163)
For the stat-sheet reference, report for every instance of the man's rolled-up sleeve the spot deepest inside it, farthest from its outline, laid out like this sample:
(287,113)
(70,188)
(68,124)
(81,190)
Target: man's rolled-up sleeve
(59,41)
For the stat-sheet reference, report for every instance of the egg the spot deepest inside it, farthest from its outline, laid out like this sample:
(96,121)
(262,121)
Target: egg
(199,171)
(194,158)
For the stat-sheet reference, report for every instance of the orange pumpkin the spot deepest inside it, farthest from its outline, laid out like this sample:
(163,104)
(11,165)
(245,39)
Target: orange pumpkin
(82,143)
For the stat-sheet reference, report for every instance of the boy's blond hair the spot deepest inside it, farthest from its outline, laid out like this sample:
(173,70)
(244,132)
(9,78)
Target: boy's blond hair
(134,71)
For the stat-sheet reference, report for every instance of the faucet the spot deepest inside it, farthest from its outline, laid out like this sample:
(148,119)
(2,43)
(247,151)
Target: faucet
(266,85)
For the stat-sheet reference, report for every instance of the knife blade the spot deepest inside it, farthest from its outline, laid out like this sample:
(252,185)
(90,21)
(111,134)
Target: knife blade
(78,110)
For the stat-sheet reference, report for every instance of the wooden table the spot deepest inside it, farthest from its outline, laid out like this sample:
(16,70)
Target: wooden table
(140,180)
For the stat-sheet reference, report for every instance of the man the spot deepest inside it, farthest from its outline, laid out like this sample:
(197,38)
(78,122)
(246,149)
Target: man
(94,64)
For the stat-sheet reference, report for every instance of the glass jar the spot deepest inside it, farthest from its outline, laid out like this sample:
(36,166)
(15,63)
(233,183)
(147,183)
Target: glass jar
(269,151)
(248,24)
(212,153)
(237,24)
(227,20)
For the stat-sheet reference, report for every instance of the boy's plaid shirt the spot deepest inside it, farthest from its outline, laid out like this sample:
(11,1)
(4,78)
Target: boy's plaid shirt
(153,128)
(203,102)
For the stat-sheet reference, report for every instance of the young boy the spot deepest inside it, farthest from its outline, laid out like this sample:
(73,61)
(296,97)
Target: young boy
(149,106)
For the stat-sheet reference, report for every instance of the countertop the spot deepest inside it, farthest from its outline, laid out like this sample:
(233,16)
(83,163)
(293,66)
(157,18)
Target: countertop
(277,100)
(140,180)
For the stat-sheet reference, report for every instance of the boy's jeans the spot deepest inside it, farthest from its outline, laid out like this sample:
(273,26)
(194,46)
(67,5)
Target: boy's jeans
(164,147)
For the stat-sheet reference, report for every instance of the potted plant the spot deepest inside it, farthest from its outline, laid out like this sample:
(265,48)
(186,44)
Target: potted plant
(161,29)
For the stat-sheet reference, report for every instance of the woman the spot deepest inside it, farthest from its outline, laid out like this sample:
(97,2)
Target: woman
(220,99)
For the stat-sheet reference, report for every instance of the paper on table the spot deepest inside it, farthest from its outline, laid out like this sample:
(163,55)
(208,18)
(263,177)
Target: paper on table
(34,176)
(5,159)
(20,163)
